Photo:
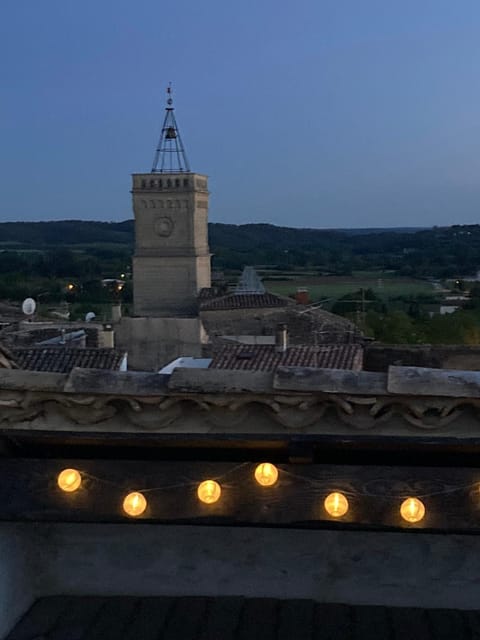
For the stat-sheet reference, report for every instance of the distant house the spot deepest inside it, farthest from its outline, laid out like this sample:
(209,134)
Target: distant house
(250,314)
(78,334)
(238,315)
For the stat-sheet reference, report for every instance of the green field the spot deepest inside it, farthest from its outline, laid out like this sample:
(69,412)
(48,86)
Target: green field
(334,287)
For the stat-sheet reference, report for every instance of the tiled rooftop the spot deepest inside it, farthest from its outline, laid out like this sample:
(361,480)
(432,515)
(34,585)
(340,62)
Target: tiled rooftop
(243,301)
(235,618)
(207,293)
(63,360)
(267,358)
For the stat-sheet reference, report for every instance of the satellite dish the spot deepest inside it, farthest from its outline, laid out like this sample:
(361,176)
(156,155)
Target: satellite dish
(28,306)
(89,316)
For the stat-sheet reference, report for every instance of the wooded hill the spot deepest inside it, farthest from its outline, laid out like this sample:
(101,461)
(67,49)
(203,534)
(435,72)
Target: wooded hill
(72,232)
(436,252)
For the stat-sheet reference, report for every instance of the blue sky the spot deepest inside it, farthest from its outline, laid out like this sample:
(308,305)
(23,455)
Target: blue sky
(318,113)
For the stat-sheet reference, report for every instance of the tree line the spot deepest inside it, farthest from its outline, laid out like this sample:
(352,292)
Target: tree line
(439,252)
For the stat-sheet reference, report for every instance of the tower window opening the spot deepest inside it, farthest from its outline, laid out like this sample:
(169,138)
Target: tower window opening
(177,182)
(152,184)
(160,184)
(144,184)
(169,183)
(185,182)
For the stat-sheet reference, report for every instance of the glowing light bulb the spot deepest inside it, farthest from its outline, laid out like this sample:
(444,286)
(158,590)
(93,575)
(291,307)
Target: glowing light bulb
(209,491)
(336,504)
(412,510)
(266,474)
(69,480)
(134,504)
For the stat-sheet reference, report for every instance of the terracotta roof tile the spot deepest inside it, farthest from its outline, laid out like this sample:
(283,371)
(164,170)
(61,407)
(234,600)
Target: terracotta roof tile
(63,360)
(267,358)
(244,301)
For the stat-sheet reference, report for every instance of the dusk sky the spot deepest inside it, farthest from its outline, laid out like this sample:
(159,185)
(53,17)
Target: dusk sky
(314,113)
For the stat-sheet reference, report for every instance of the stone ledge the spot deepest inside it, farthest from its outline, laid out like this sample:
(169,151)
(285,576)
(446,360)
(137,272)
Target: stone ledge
(129,383)
(220,381)
(421,381)
(400,381)
(309,379)
(20,379)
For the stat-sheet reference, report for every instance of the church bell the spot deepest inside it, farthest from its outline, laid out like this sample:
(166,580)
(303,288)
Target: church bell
(171,134)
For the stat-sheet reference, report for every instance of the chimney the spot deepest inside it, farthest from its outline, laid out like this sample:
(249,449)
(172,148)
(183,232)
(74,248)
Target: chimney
(106,337)
(302,297)
(116,313)
(281,338)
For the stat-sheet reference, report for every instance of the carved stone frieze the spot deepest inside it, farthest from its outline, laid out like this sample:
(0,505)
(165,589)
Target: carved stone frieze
(240,413)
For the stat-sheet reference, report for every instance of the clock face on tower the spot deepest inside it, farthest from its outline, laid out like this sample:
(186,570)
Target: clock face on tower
(163,226)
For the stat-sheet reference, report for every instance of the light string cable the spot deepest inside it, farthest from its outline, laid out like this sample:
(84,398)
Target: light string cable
(187,482)
(324,484)
(341,484)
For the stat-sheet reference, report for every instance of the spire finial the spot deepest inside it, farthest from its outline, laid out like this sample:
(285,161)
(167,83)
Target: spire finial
(170,156)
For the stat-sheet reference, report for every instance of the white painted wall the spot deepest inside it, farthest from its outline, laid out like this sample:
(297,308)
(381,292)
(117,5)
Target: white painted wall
(18,571)
(395,569)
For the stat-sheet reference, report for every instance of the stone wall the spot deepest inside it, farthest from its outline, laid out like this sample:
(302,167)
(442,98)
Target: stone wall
(304,328)
(169,287)
(378,357)
(153,342)
(240,321)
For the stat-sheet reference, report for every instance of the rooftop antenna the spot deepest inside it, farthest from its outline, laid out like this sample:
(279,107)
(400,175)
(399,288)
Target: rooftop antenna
(170,156)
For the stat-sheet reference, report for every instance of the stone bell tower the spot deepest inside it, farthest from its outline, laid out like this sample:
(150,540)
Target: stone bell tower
(171,262)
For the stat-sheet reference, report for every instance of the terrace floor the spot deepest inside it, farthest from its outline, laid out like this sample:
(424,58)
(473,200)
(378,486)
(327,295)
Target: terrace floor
(235,618)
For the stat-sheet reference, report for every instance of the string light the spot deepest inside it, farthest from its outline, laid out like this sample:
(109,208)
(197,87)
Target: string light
(336,504)
(266,474)
(69,480)
(209,491)
(412,510)
(134,504)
